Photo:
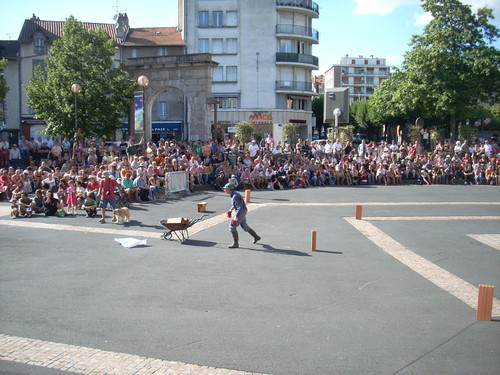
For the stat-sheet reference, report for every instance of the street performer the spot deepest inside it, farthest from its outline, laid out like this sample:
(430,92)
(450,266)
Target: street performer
(237,214)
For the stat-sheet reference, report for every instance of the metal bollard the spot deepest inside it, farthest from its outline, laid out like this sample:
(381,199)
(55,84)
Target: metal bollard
(485,302)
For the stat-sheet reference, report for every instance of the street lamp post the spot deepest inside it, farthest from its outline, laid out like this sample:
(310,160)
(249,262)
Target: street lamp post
(143,82)
(75,88)
(337,112)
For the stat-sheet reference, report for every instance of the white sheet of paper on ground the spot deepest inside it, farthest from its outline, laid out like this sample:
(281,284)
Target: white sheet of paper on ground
(131,242)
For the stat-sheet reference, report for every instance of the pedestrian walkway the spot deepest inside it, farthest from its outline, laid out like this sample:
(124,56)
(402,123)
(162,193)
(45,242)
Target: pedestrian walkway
(82,360)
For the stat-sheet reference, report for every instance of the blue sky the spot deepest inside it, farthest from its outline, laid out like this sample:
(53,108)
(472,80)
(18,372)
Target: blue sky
(382,28)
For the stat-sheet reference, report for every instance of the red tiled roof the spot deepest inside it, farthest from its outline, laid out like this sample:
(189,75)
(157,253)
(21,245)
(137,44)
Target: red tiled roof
(53,30)
(154,36)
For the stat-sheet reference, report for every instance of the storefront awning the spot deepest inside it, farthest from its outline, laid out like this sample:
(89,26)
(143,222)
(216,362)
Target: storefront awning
(162,126)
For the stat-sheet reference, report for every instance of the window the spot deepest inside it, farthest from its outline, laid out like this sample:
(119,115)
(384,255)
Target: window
(378,62)
(286,46)
(232,45)
(366,62)
(227,102)
(162,110)
(203,18)
(135,52)
(353,62)
(232,73)
(218,46)
(40,46)
(203,46)
(231,18)
(217,18)
(217,74)
(162,51)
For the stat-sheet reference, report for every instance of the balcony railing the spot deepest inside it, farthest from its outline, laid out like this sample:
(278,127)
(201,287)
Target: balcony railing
(294,86)
(300,58)
(298,30)
(306,4)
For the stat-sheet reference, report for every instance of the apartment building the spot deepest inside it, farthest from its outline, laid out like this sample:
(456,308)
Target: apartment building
(265,60)
(360,74)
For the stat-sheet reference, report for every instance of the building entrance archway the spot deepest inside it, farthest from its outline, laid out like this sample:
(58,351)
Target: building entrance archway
(184,76)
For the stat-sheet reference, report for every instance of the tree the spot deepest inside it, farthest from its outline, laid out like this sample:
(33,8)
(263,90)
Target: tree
(451,68)
(84,57)
(244,131)
(317,109)
(3,84)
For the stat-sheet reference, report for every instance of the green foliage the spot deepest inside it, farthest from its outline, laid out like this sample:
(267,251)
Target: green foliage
(3,84)
(84,57)
(466,132)
(317,109)
(451,67)
(244,131)
(290,131)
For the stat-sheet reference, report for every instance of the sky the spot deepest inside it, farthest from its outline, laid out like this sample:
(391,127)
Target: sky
(382,28)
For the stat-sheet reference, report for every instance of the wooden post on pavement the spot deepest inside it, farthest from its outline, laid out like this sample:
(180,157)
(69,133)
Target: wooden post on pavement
(485,302)
(313,240)
(359,211)
(247,195)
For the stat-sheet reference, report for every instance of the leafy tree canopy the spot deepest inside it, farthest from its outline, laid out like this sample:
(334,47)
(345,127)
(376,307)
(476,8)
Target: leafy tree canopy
(84,57)
(452,67)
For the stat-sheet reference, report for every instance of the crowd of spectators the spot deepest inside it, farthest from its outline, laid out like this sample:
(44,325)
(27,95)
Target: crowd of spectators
(57,170)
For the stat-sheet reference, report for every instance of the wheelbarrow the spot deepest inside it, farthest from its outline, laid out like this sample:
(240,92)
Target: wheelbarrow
(178,226)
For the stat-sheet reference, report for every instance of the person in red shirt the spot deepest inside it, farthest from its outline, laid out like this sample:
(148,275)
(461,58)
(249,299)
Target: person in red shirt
(107,193)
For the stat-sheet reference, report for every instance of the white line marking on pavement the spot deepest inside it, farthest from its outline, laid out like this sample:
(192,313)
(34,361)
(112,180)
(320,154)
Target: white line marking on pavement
(435,274)
(85,360)
(105,229)
(428,218)
(344,204)
(492,240)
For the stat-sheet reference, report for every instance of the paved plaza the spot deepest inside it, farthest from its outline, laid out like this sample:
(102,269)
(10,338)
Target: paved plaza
(393,293)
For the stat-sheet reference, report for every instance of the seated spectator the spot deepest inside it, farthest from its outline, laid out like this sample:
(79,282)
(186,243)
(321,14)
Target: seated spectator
(141,184)
(51,204)
(129,188)
(90,205)
(25,205)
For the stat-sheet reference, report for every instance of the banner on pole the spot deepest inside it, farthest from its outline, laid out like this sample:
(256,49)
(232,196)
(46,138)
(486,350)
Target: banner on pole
(138,112)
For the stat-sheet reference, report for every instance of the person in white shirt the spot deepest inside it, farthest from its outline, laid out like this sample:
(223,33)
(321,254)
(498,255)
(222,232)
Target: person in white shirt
(4,152)
(329,148)
(253,149)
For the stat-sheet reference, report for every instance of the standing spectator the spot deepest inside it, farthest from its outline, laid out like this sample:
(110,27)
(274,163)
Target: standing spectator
(253,149)
(15,157)
(4,153)
(24,147)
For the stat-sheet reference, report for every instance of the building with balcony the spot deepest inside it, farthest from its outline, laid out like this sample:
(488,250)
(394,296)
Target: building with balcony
(360,74)
(265,60)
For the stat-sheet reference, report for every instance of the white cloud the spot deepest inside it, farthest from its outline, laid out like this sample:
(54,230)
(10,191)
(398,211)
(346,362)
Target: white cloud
(422,19)
(381,7)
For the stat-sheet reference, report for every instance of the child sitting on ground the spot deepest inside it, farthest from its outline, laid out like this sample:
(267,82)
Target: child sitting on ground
(14,209)
(90,206)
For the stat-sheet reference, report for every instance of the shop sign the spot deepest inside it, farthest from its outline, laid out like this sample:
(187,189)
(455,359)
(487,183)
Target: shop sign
(261,118)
